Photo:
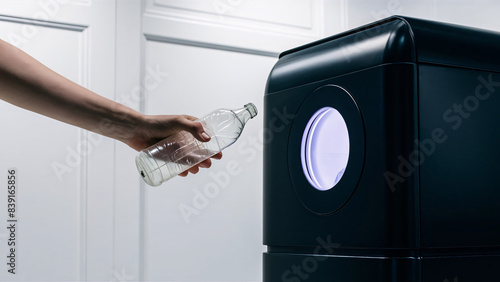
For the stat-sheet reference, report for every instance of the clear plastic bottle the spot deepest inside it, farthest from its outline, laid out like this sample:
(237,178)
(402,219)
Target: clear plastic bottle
(179,152)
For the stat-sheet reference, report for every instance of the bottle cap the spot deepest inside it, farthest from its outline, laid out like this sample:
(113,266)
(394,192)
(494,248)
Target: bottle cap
(251,109)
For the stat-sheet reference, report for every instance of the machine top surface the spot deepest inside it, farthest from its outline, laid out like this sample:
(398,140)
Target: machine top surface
(396,39)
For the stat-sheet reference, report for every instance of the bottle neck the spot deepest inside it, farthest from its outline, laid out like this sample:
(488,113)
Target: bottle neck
(243,115)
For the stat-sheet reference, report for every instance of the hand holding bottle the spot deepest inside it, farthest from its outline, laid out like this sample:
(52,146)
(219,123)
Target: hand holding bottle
(156,127)
(182,151)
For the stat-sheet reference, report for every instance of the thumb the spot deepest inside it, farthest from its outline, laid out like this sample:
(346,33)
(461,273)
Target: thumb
(195,128)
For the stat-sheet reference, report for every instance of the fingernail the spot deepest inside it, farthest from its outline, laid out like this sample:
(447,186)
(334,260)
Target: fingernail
(205,135)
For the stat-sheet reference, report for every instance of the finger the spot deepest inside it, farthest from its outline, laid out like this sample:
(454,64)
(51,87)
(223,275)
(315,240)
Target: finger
(194,169)
(195,128)
(205,164)
(184,173)
(217,156)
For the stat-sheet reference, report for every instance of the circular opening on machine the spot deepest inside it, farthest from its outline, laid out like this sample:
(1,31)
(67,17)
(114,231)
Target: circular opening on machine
(325,148)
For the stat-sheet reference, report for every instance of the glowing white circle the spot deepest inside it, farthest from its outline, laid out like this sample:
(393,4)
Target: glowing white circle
(325,148)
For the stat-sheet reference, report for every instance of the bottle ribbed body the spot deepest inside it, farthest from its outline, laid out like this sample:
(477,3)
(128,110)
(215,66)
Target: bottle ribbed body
(181,151)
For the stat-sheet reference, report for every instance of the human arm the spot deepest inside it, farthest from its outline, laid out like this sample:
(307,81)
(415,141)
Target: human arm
(28,84)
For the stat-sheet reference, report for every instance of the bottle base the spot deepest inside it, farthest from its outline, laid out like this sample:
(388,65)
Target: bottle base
(148,170)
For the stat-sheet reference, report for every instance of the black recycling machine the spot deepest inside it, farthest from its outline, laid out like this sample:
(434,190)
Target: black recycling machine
(383,156)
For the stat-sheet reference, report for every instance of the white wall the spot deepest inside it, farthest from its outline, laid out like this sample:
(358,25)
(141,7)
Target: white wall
(101,223)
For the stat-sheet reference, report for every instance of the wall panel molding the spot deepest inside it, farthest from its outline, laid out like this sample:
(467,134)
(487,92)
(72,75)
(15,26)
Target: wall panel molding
(280,16)
(50,24)
(257,27)
(151,37)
